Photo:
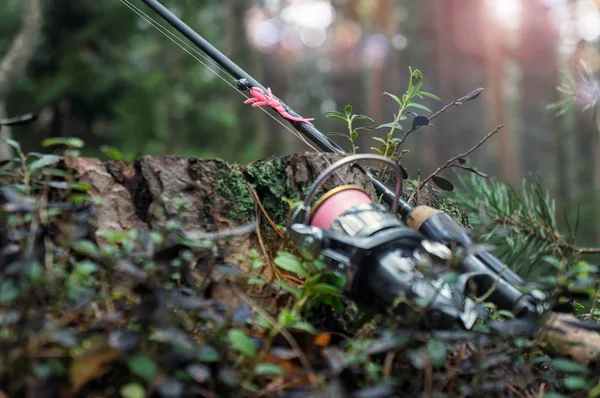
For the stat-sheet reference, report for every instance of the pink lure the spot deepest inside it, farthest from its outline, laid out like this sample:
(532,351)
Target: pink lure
(259,98)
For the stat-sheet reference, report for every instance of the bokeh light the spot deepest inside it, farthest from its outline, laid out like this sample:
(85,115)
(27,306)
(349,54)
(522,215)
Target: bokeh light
(508,12)
(376,49)
(313,37)
(309,14)
(266,34)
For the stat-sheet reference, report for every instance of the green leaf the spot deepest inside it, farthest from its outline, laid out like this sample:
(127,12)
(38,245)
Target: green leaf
(291,289)
(132,390)
(85,247)
(389,126)
(71,142)
(290,263)
(415,84)
(334,113)
(324,288)
(8,291)
(418,106)
(348,111)
(208,354)
(261,321)
(143,366)
(426,94)
(12,143)
(354,135)
(337,305)
(553,261)
(438,352)
(307,327)
(86,267)
(506,313)
(340,118)
(567,366)
(576,383)
(287,317)
(363,117)
(112,152)
(44,161)
(256,281)
(241,342)
(379,139)
(268,369)
(395,98)
(79,186)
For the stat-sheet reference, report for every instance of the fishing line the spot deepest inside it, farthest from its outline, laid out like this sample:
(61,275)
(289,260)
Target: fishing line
(197,54)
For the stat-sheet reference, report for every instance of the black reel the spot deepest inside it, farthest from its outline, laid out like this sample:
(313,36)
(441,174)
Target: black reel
(386,263)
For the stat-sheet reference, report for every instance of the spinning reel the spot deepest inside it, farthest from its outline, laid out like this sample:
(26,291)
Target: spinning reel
(380,256)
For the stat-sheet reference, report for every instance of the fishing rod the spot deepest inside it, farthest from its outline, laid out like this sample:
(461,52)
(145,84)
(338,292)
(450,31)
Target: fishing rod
(434,224)
(490,274)
(308,130)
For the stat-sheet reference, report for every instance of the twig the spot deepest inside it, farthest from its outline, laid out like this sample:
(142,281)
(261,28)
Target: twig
(388,363)
(269,219)
(270,265)
(472,95)
(463,155)
(228,233)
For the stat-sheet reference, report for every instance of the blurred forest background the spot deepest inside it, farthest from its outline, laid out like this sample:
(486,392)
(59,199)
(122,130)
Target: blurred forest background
(100,72)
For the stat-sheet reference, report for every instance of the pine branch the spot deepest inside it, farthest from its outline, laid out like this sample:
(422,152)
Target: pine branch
(522,224)
(554,238)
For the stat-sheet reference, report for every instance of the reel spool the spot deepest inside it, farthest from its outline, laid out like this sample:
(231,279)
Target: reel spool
(378,254)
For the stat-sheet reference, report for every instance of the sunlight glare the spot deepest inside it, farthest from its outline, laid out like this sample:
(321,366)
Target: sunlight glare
(588,16)
(508,12)
(570,32)
(309,14)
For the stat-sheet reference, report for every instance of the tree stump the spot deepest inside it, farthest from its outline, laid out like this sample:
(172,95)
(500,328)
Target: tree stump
(211,194)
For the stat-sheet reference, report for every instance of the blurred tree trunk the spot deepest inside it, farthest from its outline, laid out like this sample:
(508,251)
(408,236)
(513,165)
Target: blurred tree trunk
(347,77)
(459,45)
(382,22)
(427,55)
(538,42)
(442,15)
(495,52)
(14,62)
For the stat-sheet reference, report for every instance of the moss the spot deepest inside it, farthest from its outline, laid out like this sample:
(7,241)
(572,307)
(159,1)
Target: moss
(270,174)
(233,187)
(272,185)
(451,207)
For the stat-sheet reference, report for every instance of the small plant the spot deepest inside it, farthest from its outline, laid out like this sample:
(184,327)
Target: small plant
(392,145)
(348,117)
(319,286)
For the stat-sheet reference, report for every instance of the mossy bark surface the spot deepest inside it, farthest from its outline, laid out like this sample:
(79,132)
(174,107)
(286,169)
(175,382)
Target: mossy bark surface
(212,195)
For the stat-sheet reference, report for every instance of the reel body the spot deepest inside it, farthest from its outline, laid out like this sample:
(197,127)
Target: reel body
(381,257)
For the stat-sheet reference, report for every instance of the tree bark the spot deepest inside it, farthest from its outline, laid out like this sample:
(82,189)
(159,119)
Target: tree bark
(211,195)
(13,64)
